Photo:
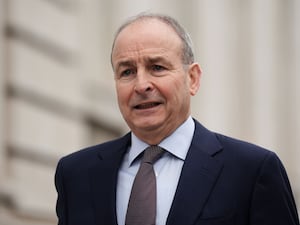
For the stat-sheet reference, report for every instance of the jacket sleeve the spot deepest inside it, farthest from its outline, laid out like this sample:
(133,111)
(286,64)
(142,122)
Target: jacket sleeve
(272,201)
(60,204)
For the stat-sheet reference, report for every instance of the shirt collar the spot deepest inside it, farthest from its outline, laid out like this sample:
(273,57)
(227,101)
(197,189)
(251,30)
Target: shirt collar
(177,143)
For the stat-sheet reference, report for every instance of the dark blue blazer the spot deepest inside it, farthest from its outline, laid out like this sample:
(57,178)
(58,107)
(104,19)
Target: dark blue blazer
(223,182)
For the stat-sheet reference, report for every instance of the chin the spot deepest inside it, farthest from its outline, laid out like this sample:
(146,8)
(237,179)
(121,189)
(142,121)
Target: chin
(148,125)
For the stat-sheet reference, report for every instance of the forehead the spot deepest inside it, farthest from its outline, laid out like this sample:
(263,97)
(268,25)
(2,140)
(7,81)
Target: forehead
(148,36)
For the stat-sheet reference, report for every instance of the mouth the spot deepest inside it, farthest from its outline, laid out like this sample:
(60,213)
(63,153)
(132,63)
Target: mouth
(147,105)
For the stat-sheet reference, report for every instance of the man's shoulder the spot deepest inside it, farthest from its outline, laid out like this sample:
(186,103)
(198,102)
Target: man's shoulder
(245,154)
(240,145)
(231,146)
(91,153)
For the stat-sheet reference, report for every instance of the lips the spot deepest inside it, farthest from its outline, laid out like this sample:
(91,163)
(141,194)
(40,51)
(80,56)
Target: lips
(147,105)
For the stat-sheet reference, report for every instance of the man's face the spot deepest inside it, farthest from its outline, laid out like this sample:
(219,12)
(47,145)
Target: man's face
(153,86)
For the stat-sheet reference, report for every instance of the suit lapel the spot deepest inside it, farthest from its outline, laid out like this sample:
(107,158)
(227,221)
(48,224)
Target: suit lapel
(103,177)
(198,177)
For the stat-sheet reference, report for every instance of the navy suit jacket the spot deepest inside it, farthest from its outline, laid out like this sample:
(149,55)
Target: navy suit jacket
(223,182)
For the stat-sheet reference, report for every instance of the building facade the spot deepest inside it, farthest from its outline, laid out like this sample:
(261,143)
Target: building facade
(57,88)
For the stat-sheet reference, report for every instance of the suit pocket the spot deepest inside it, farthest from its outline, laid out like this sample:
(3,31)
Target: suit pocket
(229,219)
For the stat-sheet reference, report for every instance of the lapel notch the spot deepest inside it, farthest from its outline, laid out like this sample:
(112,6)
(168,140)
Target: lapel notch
(198,177)
(103,179)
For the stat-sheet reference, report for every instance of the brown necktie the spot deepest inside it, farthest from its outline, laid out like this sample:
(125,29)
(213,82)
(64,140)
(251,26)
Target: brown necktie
(142,203)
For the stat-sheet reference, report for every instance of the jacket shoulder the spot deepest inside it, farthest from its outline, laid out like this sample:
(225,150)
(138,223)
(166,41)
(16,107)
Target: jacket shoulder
(245,154)
(93,152)
(228,145)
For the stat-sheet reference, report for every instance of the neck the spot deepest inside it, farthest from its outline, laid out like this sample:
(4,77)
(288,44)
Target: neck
(154,137)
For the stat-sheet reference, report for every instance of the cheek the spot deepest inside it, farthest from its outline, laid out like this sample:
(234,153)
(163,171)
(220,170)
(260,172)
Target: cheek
(122,94)
(182,93)
(180,88)
(174,94)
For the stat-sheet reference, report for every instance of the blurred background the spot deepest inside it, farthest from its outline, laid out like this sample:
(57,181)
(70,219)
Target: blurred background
(57,90)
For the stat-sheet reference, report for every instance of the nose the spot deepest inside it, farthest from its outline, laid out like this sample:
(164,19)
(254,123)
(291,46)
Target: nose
(143,84)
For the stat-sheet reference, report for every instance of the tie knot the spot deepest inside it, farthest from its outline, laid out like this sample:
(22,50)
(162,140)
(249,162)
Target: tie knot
(152,153)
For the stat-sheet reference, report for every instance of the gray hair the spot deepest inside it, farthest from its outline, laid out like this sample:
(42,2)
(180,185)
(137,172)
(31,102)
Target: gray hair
(187,45)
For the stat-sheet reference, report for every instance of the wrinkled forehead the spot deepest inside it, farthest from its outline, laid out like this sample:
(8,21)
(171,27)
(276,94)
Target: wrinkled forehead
(145,35)
(147,23)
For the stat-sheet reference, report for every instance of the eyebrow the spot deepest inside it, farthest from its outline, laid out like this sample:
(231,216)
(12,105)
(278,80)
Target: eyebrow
(153,60)
(125,63)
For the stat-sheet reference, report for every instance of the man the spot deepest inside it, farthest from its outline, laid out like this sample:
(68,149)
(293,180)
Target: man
(202,177)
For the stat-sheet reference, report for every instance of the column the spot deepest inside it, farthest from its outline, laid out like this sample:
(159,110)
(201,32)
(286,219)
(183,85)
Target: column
(294,102)
(264,72)
(217,104)
(2,92)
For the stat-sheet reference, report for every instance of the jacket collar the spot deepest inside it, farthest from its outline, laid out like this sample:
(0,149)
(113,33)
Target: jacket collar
(103,177)
(198,177)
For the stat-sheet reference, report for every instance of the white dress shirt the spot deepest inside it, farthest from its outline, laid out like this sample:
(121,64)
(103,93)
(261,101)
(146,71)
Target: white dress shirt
(167,170)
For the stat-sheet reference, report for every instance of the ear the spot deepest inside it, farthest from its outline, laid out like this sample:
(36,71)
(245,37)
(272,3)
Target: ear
(194,74)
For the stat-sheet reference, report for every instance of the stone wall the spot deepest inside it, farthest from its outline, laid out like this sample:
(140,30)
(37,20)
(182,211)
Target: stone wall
(57,92)
(50,106)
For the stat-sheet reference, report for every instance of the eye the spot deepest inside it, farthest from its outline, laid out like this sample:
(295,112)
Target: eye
(158,68)
(126,73)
